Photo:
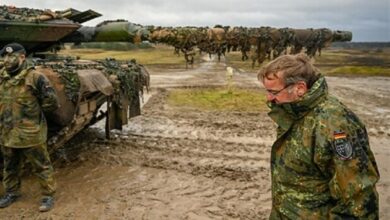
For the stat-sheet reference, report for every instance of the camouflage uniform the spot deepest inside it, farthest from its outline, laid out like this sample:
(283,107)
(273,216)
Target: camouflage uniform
(23,128)
(321,163)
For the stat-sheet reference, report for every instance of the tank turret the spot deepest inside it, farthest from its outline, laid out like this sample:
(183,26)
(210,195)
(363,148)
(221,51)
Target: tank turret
(40,30)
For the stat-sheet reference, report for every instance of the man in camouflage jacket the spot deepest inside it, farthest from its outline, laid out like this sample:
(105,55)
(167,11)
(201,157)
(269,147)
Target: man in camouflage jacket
(321,163)
(24,95)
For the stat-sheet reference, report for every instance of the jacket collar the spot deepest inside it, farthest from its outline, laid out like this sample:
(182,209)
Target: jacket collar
(285,114)
(15,80)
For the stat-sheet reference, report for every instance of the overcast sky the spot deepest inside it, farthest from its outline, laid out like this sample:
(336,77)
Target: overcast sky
(369,20)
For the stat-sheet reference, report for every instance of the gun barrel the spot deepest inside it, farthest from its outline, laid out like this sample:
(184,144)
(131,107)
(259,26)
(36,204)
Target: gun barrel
(342,36)
(112,31)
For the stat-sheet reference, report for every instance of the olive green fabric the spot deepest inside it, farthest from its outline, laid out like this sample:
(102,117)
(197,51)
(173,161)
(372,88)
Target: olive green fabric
(39,159)
(23,98)
(130,83)
(71,80)
(23,129)
(321,163)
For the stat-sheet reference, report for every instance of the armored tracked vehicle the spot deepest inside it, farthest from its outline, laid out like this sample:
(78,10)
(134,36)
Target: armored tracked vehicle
(83,86)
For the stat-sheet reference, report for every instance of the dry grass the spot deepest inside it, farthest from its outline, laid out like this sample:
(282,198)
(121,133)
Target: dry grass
(161,55)
(348,62)
(360,71)
(234,59)
(219,99)
(355,62)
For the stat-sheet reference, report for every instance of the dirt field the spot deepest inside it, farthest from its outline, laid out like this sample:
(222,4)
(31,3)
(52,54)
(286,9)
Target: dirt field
(182,163)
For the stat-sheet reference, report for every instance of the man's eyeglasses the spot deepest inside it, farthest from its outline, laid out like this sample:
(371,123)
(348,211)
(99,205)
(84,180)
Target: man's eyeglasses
(276,92)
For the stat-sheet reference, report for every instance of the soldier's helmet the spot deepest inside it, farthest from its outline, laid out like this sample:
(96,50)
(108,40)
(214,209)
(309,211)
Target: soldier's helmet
(12,48)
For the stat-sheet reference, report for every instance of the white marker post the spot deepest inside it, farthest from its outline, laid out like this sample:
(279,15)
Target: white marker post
(229,77)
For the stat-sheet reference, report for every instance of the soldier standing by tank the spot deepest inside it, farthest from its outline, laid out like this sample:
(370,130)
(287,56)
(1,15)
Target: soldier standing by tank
(321,163)
(24,95)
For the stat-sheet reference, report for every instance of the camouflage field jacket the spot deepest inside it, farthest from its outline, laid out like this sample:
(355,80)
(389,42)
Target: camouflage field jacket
(321,163)
(23,98)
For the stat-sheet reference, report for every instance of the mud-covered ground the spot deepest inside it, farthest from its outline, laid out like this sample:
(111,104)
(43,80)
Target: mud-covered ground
(182,163)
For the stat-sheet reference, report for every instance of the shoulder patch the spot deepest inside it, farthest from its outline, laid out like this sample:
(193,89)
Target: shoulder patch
(342,147)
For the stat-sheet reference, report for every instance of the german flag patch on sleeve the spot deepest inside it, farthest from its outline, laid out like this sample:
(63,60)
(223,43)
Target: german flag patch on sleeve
(342,147)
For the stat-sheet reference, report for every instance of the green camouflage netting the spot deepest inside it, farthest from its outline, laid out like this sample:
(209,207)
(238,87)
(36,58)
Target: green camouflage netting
(128,76)
(70,79)
(25,14)
(130,83)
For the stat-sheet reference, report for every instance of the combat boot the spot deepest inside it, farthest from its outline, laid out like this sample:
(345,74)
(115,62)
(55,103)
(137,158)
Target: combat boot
(47,203)
(8,199)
